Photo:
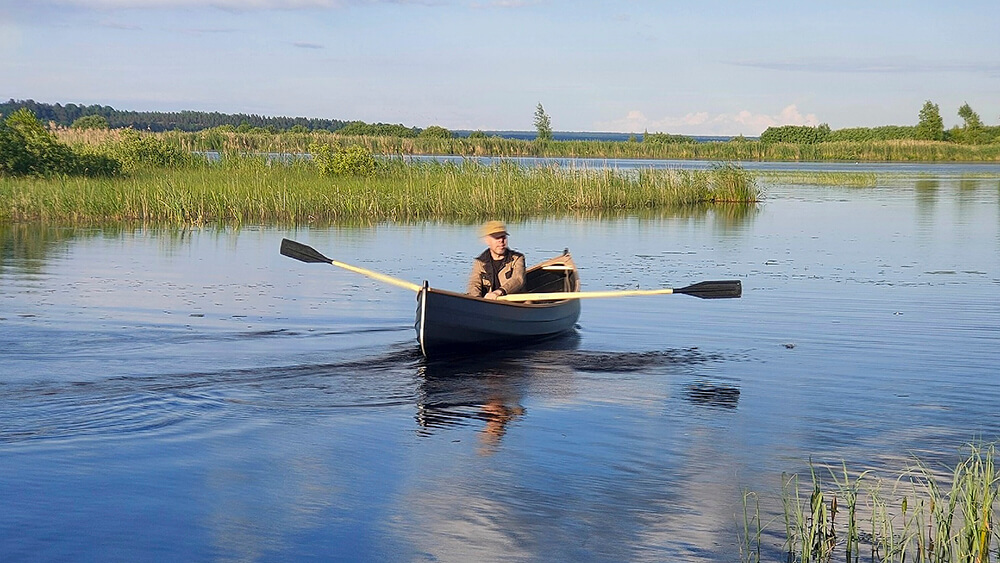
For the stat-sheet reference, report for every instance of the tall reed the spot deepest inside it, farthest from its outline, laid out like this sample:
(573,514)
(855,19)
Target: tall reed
(846,179)
(258,190)
(735,150)
(753,529)
(922,516)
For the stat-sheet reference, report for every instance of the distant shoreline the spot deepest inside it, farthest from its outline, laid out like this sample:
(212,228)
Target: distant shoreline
(589,136)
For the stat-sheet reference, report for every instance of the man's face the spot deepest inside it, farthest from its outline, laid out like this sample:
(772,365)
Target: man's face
(497,243)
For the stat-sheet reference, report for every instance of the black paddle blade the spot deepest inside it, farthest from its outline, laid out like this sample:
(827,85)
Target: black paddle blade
(302,252)
(713,289)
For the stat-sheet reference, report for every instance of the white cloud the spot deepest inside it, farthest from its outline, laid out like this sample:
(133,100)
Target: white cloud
(702,123)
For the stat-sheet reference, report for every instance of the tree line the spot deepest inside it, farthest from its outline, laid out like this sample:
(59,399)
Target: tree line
(930,127)
(66,115)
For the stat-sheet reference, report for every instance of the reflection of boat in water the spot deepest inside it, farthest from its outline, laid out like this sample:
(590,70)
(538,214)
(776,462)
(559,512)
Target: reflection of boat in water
(453,322)
(488,388)
(483,392)
(712,395)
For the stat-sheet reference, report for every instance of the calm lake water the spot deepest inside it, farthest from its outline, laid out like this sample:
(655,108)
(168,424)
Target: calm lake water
(194,395)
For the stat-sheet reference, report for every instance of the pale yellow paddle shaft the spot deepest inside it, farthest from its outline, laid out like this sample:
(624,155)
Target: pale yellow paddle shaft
(582,294)
(381,277)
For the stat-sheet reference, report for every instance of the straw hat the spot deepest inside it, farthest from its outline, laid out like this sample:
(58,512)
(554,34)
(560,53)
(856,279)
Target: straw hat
(493,228)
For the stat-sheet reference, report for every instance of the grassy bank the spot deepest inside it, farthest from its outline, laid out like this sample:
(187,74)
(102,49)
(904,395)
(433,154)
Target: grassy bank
(735,150)
(924,515)
(249,190)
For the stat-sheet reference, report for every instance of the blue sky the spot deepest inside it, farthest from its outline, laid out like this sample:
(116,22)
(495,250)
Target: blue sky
(693,67)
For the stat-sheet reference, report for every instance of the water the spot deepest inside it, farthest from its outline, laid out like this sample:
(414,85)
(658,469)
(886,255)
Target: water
(194,395)
(907,170)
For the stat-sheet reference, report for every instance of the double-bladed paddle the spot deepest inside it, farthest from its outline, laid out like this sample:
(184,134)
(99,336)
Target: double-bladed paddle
(310,255)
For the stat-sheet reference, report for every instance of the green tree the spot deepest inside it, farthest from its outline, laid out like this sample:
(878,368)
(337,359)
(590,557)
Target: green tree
(798,134)
(92,121)
(477,134)
(973,132)
(931,126)
(543,125)
(970,117)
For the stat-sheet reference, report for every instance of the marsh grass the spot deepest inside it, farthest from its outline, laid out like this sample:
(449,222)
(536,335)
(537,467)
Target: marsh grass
(924,516)
(753,529)
(843,179)
(734,150)
(256,190)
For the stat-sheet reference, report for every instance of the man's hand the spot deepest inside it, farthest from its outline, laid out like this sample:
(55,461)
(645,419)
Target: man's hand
(493,294)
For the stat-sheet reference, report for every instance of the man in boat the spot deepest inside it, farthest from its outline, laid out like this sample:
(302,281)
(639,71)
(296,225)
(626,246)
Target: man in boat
(498,270)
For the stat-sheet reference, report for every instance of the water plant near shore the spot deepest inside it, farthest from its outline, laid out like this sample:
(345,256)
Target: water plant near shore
(924,516)
(846,179)
(257,190)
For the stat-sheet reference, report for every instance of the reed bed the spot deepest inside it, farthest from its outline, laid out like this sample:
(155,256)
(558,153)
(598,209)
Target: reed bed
(843,179)
(255,190)
(923,516)
(726,151)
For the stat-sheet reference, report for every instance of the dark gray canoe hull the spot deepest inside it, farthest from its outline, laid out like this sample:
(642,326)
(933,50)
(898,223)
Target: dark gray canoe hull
(449,322)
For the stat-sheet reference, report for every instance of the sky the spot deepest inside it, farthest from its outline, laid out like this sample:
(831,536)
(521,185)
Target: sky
(697,67)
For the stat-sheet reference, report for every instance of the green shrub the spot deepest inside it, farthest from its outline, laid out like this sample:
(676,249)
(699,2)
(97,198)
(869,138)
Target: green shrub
(865,134)
(665,139)
(354,160)
(91,162)
(135,151)
(26,148)
(981,135)
(92,121)
(360,128)
(798,134)
(435,132)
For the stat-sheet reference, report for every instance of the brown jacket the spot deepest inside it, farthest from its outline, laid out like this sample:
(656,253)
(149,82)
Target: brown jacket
(510,273)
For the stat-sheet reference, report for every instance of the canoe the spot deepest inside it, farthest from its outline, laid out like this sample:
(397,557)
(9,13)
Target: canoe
(449,322)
